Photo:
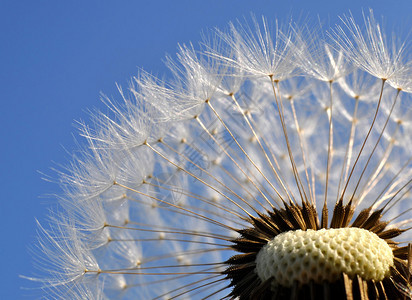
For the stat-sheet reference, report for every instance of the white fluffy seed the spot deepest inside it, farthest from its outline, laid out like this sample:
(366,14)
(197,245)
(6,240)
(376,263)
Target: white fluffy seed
(322,255)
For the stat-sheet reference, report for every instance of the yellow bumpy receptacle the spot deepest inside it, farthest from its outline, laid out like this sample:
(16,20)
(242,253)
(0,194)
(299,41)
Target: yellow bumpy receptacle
(322,255)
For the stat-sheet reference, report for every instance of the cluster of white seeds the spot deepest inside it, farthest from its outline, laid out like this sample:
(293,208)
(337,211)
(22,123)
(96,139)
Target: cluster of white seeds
(322,255)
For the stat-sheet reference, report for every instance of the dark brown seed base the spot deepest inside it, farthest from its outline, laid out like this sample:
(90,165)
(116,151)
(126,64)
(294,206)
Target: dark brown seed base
(246,284)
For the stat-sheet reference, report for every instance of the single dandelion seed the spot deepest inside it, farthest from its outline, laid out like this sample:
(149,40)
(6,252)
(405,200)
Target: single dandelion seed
(275,163)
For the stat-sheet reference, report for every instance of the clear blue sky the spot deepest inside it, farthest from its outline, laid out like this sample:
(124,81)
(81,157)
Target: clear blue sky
(55,59)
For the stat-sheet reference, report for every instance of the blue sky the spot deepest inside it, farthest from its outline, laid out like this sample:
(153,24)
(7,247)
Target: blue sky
(55,59)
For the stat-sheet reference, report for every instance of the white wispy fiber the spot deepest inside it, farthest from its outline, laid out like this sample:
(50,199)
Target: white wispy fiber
(260,116)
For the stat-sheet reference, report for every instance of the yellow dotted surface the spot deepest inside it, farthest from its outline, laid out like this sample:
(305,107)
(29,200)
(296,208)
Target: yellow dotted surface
(322,255)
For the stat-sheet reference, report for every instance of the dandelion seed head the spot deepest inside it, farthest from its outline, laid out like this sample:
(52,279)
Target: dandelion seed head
(273,163)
